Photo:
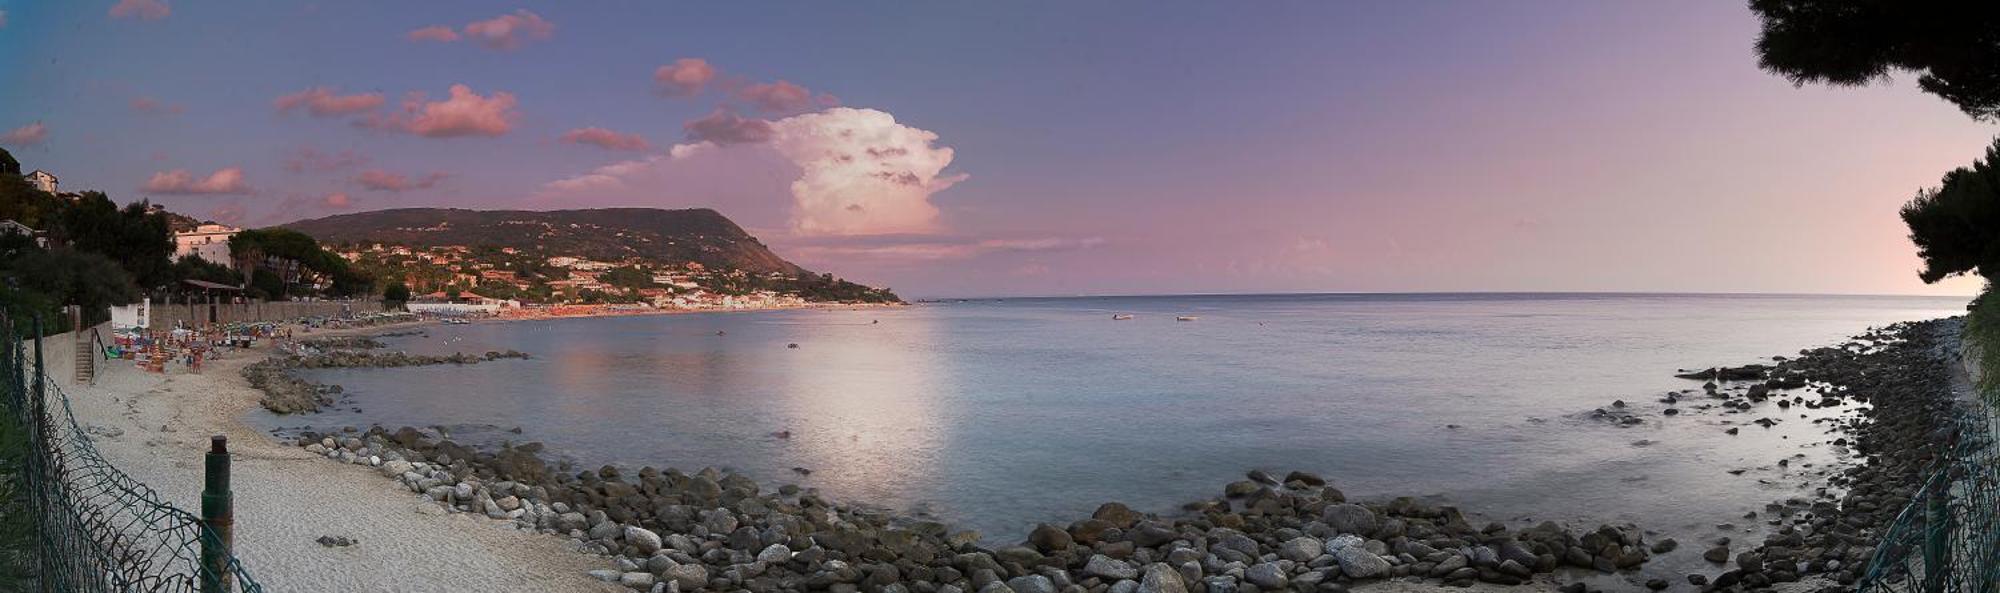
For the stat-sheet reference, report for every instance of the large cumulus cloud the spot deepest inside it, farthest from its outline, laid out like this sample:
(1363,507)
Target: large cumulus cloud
(852,172)
(862,173)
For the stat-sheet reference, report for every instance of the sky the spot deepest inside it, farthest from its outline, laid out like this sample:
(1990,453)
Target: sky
(1025,148)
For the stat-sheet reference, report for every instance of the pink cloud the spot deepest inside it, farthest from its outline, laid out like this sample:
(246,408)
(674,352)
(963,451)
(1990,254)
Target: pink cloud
(933,247)
(438,33)
(336,200)
(151,106)
(180,181)
(465,113)
(853,172)
(685,77)
(777,97)
(723,127)
(151,10)
(509,31)
(310,159)
(324,102)
(603,138)
(27,135)
(3,19)
(379,180)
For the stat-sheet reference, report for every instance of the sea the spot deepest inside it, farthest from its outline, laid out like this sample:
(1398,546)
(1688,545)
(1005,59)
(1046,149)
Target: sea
(997,414)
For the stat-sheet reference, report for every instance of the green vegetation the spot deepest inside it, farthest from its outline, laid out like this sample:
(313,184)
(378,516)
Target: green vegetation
(397,293)
(1953,49)
(1982,322)
(285,263)
(1950,46)
(1956,225)
(17,528)
(134,236)
(98,255)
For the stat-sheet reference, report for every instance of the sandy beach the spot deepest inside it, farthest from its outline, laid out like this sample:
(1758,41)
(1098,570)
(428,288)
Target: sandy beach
(287,498)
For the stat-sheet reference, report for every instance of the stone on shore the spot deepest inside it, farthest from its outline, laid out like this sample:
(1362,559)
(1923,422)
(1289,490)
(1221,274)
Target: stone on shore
(1160,578)
(644,539)
(1350,518)
(1103,566)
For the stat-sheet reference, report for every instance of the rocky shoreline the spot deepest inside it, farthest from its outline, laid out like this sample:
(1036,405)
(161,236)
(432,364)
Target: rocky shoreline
(666,530)
(672,531)
(285,393)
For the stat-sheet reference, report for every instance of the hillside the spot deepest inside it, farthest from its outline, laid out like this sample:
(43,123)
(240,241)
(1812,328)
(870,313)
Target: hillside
(609,234)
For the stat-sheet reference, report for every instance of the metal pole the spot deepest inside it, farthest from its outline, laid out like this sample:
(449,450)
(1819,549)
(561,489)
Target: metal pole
(218,545)
(38,439)
(1937,544)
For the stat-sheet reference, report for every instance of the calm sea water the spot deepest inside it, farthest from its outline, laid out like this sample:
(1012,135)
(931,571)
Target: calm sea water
(999,414)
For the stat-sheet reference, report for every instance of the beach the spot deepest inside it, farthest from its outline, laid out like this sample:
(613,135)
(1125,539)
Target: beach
(427,514)
(156,427)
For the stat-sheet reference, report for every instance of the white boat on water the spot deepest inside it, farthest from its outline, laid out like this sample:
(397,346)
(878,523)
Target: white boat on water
(1121,317)
(1186,318)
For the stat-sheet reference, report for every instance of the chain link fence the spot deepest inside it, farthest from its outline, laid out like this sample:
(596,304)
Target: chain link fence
(94,528)
(1947,540)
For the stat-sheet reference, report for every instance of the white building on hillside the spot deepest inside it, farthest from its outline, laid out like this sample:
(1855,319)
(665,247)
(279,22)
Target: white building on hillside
(209,242)
(42,180)
(13,227)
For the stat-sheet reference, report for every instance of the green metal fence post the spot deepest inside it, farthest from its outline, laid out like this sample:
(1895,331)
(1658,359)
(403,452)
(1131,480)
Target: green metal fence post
(1937,540)
(218,514)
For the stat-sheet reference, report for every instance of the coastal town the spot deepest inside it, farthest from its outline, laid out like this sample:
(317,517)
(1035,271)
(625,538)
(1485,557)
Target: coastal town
(506,281)
(460,280)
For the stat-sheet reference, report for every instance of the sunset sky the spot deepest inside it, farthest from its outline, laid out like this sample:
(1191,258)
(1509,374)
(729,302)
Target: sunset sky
(1005,148)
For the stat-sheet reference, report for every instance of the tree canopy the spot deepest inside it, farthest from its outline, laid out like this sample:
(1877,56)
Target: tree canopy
(1954,47)
(134,236)
(1956,225)
(252,248)
(68,276)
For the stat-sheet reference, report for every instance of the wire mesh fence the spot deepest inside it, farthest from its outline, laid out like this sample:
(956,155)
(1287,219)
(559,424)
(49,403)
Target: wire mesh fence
(1947,539)
(95,528)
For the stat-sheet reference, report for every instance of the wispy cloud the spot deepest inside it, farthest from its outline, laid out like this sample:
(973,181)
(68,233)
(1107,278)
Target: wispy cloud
(783,97)
(379,180)
(504,32)
(179,181)
(438,33)
(934,248)
(464,113)
(326,102)
(28,135)
(151,10)
(685,77)
(724,128)
(607,139)
(151,106)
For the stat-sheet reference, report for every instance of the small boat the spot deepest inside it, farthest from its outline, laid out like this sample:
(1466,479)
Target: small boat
(1121,317)
(1186,318)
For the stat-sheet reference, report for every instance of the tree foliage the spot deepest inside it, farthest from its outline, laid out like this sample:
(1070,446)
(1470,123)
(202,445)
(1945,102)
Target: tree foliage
(397,292)
(9,166)
(253,249)
(1954,47)
(137,238)
(1956,225)
(72,277)
(22,202)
